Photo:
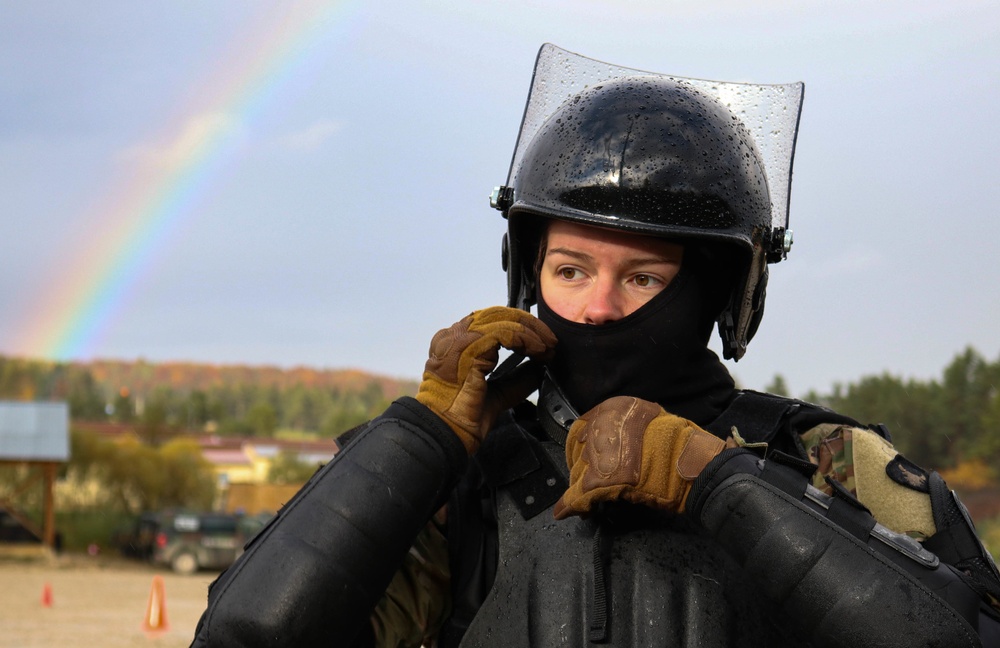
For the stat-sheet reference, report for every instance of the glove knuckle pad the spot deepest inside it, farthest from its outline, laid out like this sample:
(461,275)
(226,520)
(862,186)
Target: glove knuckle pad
(614,444)
(447,349)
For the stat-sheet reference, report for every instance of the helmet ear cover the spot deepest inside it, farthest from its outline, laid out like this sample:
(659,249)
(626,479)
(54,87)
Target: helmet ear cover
(524,251)
(758,309)
(719,266)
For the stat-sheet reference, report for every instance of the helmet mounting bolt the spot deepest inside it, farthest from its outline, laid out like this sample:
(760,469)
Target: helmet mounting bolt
(780,244)
(501,198)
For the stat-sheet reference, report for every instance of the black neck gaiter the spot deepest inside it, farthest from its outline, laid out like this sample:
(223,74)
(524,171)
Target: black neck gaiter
(658,353)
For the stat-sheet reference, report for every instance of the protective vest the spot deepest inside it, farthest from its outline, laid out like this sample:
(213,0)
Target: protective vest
(628,576)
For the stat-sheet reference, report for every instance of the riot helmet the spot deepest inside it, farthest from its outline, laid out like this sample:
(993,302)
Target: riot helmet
(653,154)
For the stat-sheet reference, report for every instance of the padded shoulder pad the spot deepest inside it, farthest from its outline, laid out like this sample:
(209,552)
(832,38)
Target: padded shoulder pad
(833,589)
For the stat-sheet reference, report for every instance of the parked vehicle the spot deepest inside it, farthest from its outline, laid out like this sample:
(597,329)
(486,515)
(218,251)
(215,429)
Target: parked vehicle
(13,529)
(136,539)
(189,541)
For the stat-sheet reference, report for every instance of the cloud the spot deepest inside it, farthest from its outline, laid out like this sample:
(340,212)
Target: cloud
(195,135)
(312,137)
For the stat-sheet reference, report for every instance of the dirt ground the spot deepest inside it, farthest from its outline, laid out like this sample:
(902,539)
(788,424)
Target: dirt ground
(95,602)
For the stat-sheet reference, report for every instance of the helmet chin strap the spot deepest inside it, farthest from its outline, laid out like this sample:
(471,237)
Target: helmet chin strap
(507,366)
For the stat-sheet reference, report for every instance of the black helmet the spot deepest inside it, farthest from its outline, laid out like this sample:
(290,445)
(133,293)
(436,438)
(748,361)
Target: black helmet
(655,155)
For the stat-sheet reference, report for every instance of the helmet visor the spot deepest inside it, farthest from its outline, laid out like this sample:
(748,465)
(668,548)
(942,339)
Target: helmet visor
(769,112)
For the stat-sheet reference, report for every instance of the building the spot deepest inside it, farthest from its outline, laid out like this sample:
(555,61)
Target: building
(35,435)
(242,467)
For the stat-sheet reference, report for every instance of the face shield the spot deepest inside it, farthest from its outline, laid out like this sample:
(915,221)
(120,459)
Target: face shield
(769,112)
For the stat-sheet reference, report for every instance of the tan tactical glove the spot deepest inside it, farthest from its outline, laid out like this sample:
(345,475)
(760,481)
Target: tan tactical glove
(454,383)
(630,449)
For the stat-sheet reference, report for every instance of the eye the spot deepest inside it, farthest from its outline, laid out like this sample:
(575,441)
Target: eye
(569,273)
(644,280)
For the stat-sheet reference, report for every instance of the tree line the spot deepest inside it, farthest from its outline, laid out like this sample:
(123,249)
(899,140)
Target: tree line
(258,404)
(938,423)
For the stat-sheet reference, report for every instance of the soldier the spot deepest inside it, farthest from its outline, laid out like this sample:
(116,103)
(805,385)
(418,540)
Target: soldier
(644,500)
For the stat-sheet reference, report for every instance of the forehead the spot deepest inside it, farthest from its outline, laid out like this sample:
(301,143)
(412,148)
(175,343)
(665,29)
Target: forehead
(576,235)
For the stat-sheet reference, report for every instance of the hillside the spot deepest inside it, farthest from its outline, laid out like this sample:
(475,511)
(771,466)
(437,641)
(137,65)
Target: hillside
(233,399)
(142,377)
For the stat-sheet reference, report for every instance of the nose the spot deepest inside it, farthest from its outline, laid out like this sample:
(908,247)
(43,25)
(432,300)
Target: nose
(606,304)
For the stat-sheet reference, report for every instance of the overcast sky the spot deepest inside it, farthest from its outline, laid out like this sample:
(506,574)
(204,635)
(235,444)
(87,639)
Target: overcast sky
(338,214)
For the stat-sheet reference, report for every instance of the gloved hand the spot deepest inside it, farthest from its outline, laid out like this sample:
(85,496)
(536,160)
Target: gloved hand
(630,449)
(454,383)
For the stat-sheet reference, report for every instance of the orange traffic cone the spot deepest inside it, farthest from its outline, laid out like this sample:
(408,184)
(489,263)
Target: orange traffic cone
(47,595)
(156,611)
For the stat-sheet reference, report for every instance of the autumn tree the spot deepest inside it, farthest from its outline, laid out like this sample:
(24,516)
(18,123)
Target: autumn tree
(127,475)
(288,468)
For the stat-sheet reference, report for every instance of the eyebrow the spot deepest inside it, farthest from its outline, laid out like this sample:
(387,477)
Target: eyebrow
(632,262)
(573,254)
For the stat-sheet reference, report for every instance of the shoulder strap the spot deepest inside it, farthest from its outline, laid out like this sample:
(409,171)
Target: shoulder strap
(757,416)
(513,460)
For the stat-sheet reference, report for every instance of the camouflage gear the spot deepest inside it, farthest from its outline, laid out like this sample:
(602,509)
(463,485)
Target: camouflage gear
(418,599)
(830,447)
(852,455)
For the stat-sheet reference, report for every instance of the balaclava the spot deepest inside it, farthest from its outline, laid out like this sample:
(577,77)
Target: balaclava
(658,353)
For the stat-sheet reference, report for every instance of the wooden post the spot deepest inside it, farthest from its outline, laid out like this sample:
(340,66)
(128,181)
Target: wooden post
(48,507)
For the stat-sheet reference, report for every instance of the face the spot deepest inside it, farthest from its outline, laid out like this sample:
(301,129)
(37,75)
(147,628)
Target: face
(593,275)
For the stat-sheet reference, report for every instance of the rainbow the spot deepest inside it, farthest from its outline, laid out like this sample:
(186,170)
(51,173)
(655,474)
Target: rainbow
(135,219)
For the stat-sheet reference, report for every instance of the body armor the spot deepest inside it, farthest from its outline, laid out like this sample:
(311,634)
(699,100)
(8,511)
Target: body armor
(631,576)
(627,577)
